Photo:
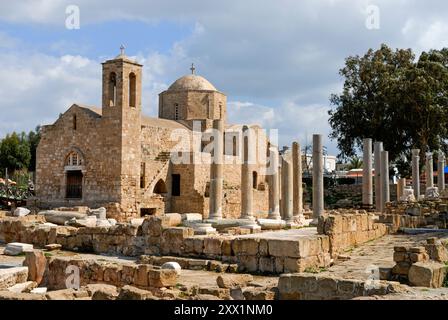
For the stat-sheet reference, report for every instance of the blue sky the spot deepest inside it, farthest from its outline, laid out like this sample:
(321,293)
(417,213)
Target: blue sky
(277,61)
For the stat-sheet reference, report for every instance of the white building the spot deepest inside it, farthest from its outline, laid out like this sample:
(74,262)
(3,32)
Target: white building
(329,162)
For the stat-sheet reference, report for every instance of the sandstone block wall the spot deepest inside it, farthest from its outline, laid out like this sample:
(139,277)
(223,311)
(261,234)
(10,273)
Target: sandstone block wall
(347,230)
(321,287)
(94,271)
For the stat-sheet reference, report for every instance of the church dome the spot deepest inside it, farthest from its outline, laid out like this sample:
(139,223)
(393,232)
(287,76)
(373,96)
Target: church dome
(191,82)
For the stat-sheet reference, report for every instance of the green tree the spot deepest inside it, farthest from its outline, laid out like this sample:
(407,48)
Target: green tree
(15,152)
(355,163)
(392,97)
(33,140)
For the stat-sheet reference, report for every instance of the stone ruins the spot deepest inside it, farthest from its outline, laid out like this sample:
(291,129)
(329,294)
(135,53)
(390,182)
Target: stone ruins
(186,206)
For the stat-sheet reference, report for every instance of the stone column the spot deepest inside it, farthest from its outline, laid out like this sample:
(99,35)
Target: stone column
(416,172)
(216,171)
(367,192)
(274,201)
(441,171)
(401,185)
(287,189)
(385,197)
(297,206)
(429,171)
(318,178)
(377,161)
(246,177)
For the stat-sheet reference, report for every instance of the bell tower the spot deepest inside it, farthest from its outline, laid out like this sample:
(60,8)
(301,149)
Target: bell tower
(121,114)
(122,84)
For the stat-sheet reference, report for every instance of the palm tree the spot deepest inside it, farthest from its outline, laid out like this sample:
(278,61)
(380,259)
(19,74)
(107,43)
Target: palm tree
(355,163)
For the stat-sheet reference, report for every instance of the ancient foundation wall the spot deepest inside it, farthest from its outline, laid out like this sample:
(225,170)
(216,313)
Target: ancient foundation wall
(159,236)
(322,287)
(348,230)
(93,271)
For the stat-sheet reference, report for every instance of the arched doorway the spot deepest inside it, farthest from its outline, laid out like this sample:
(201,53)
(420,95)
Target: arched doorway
(160,187)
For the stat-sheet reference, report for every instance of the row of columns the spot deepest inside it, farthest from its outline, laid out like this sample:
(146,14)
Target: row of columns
(429,172)
(290,179)
(381,164)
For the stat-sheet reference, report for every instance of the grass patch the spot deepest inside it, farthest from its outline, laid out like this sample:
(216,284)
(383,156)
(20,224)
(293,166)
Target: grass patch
(48,254)
(315,269)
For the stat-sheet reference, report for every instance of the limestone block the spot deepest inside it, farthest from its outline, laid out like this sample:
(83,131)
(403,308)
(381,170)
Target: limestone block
(153,226)
(401,268)
(12,276)
(102,291)
(212,246)
(221,293)
(39,290)
(267,264)
(36,263)
(21,212)
(16,248)
(226,247)
(53,247)
(172,241)
(194,245)
(417,249)
(248,263)
(245,246)
(191,217)
(437,251)
(251,293)
(132,293)
(400,256)
(174,219)
(141,275)
(263,247)
(159,278)
(100,213)
(427,274)
(128,274)
(233,280)
(8,295)
(112,274)
(23,287)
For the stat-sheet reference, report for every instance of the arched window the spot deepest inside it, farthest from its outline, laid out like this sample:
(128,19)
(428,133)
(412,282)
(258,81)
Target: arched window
(254,179)
(160,187)
(176,112)
(74,122)
(132,89)
(220,111)
(73,159)
(112,89)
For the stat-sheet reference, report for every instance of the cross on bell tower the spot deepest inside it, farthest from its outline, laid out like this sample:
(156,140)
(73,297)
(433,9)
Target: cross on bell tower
(192,68)
(122,47)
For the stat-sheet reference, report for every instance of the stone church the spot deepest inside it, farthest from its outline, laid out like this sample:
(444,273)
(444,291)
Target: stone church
(116,157)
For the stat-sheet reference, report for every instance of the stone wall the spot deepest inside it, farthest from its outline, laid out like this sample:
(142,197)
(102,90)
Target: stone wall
(346,230)
(158,236)
(118,274)
(305,286)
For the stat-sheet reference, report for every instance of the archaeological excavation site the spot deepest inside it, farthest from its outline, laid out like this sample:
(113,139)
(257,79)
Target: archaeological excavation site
(187,206)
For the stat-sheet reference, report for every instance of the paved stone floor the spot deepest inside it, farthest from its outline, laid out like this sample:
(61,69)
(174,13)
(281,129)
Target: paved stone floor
(378,252)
